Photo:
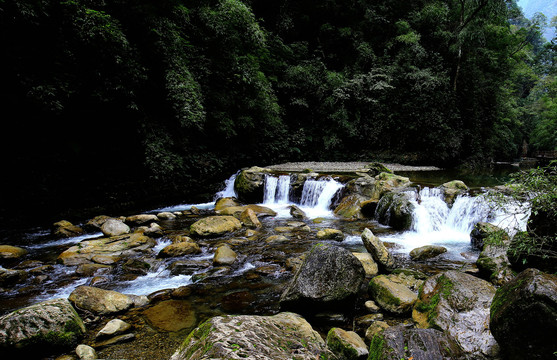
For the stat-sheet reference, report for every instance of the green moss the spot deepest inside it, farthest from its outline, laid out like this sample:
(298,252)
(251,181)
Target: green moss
(197,337)
(376,347)
(428,306)
(337,346)
(382,295)
(502,297)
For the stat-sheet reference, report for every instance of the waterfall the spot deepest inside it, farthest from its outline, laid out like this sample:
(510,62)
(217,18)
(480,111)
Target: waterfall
(317,195)
(228,190)
(435,223)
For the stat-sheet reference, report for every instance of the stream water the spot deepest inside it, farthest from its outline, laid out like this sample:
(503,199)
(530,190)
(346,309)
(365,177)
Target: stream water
(254,283)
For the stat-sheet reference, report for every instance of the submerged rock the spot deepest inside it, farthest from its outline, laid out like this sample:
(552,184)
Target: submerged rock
(41,327)
(402,342)
(215,225)
(458,304)
(329,275)
(171,315)
(524,316)
(280,337)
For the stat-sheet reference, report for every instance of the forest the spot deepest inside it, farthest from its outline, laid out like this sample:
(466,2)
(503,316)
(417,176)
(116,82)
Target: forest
(108,103)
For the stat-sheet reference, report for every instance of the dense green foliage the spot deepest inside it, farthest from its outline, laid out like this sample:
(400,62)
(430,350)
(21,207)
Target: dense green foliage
(104,94)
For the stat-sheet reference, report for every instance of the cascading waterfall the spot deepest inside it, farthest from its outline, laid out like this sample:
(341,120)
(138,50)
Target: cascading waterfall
(228,190)
(317,195)
(435,223)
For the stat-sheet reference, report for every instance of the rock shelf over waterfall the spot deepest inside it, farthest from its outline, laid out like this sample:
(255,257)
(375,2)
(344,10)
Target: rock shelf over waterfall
(344,261)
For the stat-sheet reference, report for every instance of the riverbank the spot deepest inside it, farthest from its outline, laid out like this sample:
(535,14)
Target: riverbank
(343,167)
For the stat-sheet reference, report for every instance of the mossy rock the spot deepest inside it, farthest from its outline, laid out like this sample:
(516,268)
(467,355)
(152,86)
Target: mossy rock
(346,344)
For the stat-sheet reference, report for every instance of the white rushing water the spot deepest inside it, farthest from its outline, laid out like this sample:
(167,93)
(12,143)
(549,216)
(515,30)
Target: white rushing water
(316,199)
(435,223)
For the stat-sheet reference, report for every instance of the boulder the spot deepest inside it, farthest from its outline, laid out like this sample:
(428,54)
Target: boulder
(249,184)
(224,256)
(458,304)
(179,249)
(493,263)
(395,210)
(112,328)
(452,189)
(100,301)
(374,329)
(387,182)
(297,213)
(215,225)
(524,316)
(378,251)
(141,219)
(328,276)
(96,223)
(363,186)
(370,266)
(11,252)
(482,231)
(350,207)
(114,227)
(65,229)
(403,342)
(280,337)
(223,203)
(165,215)
(427,252)
(249,218)
(346,344)
(391,295)
(49,325)
(330,234)
(115,247)
(153,230)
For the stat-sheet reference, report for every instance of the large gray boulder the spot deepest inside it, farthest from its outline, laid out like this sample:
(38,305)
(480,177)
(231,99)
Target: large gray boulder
(391,294)
(45,326)
(395,210)
(402,342)
(459,304)
(284,336)
(250,183)
(114,227)
(328,276)
(524,316)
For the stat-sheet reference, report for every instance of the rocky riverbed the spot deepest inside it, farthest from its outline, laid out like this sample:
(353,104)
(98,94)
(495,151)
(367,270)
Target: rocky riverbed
(245,278)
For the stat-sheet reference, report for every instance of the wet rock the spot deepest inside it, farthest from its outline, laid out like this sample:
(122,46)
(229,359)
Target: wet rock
(350,207)
(346,344)
(276,239)
(11,252)
(141,219)
(10,278)
(154,230)
(401,342)
(388,182)
(452,189)
(483,231)
(458,304)
(249,219)
(100,301)
(370,266)
(165,215)
(328,275)
(119,246)
(226,202)
(171,315)
(139,300)
(224,256)
(378,251)
(92,269)
(297,213)
(368,208)
(215,225)
(136,266)
(96,223)
(375,328)
(179,249)
(427,252)
(363,186)
(364,322)
(114,227)
(85,352)
(236,211)
(52,324)
(187,267)
(279,337)
(115,340)
(395,210)
(493,263)
(249,184)
(105,259)
(392,296)
(371,306)
(524,316)
(65,229)
(330,234)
